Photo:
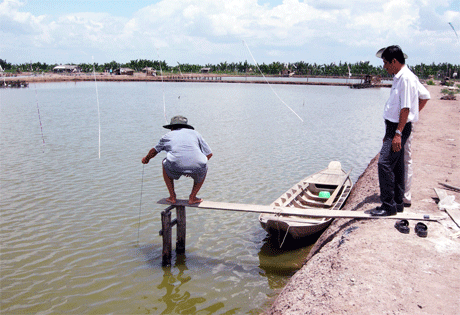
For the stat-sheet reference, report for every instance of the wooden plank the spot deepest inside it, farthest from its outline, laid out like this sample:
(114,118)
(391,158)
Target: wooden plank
(450,187)
(441,193)
(311,212)
(336,191)
(453,213)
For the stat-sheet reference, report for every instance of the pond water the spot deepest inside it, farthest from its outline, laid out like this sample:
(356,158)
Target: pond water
(76,236)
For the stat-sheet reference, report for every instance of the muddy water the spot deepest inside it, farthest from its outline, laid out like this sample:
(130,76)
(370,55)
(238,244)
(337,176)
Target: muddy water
(70,221)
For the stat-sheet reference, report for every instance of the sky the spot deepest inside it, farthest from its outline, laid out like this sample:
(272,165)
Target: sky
(215,31)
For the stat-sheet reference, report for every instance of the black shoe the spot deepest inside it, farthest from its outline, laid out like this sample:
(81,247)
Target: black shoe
(407,205)
(400,208)
(402,226)
(381,212)
(421,229)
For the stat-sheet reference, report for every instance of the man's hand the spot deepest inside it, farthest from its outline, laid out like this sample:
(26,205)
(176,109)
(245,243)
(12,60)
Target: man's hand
(396,143)
(145,160)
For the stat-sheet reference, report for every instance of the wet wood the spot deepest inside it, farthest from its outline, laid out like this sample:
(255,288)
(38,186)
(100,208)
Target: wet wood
(166,233)
(181,229)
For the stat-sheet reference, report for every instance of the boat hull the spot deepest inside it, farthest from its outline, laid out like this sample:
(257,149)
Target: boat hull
(275,226)
(327,189)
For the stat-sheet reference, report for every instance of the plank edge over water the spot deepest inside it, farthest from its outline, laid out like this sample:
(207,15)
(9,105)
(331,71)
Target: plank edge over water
(213,205)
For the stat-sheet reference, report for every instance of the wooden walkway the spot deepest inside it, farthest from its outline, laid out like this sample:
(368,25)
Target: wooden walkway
(180,220)
(315,213)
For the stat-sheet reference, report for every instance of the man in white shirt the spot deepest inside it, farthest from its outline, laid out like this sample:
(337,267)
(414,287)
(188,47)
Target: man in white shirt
(401,109)
(187,153)
(423,97)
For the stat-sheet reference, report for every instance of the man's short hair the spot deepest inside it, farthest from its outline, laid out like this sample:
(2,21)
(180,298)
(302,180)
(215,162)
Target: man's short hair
(394,52)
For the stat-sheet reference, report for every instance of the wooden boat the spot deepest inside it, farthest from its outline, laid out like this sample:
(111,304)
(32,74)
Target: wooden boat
(326,189)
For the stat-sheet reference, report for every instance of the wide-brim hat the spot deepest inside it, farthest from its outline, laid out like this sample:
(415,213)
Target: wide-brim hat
(178,121)
(380,52)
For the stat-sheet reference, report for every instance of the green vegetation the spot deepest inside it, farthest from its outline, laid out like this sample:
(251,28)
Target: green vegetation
(450,91)
(275,68)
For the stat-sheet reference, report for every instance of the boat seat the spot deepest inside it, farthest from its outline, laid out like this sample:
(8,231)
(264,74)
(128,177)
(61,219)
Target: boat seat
(311,203)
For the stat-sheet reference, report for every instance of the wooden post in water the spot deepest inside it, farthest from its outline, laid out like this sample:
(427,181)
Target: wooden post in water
(181,228)
(166,234)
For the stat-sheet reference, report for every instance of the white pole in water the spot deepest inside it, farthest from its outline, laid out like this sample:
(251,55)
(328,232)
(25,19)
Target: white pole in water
(163,86)
(39,118)
(98,112)
(3,75)
(257,65)
(140,205)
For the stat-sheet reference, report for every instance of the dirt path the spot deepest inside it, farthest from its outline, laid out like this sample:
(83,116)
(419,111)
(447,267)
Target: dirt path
(367,266)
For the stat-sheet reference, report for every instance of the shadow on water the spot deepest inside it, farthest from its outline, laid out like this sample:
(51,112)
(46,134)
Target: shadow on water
(276,260)
(276,264)
(177,299)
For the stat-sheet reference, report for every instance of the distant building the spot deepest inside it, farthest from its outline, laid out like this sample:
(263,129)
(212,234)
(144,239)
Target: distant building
(125,71)
(67,68)
(205,70)
(150,71)
(287,73)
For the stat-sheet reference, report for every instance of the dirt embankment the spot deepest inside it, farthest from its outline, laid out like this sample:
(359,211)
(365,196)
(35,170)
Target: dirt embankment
(195,77)
(369,267)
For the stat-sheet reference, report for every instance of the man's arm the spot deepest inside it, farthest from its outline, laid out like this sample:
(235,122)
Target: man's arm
(152,153)
(396,143)
(421,104)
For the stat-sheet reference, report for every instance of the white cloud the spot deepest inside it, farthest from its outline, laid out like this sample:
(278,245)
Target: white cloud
(211,31)
(17,22)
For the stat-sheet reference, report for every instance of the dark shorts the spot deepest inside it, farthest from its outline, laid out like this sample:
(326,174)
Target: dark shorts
(198,174)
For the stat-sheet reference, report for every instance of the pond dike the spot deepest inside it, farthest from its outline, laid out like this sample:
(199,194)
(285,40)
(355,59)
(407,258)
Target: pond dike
(367,266)
(185,78)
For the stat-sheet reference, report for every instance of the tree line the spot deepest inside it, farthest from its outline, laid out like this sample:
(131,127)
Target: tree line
(275,68)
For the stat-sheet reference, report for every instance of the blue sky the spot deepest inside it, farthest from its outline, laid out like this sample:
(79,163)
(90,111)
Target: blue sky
(115,7)
(213,31)
(63,7)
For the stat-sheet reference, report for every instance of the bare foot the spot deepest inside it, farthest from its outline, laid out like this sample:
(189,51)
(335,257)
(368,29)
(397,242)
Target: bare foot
(195,200)
(171,200)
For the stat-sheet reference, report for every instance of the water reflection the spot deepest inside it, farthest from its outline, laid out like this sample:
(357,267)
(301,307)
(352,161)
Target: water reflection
(281,262)
(176,299)
(178,285)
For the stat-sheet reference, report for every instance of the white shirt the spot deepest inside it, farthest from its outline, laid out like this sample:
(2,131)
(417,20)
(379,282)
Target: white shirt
(404,94)
(423,93)
(185,149)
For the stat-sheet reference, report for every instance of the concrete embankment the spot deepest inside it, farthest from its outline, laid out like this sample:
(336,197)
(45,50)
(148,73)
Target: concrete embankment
(368,266)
